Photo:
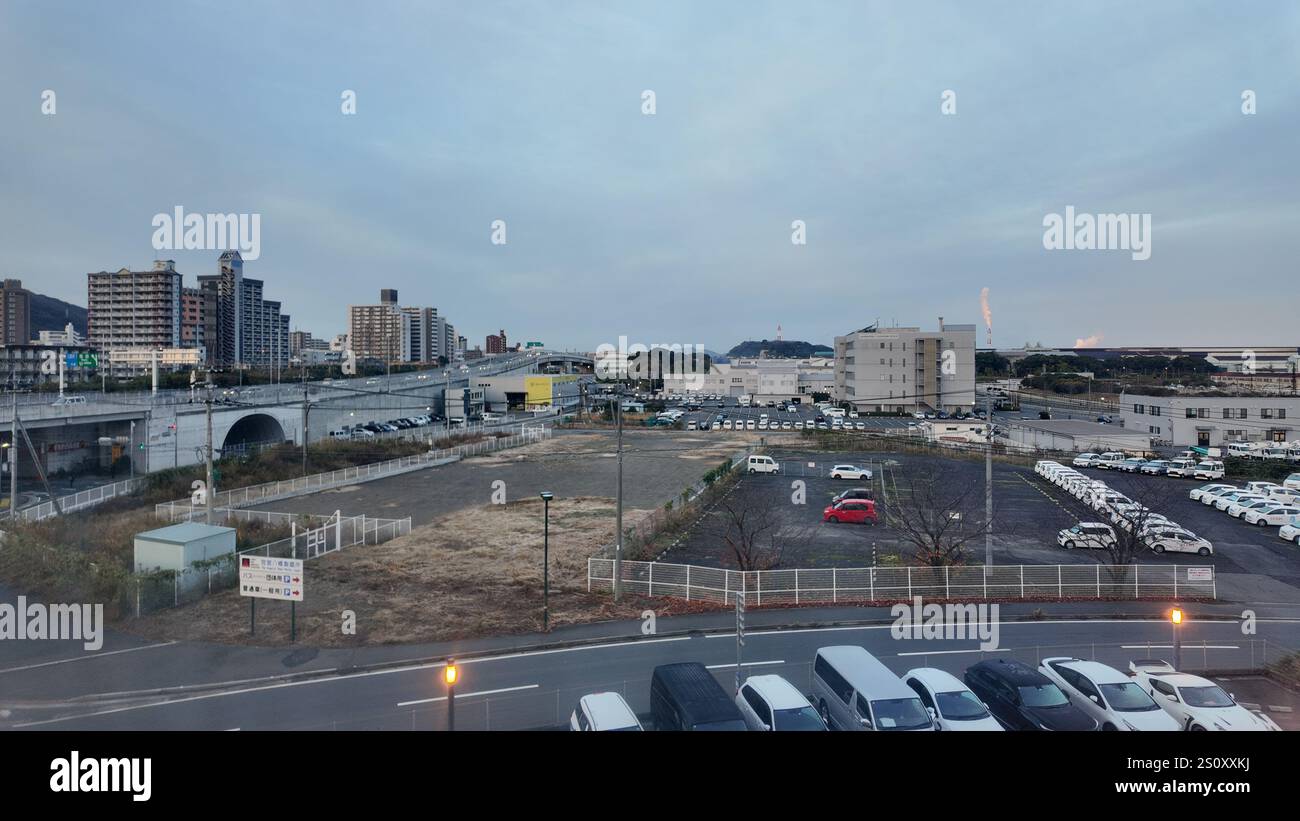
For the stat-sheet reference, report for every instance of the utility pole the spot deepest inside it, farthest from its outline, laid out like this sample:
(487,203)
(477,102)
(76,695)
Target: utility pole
(618,547)
(305,409)
(988,481)
(13,457)
(210,490)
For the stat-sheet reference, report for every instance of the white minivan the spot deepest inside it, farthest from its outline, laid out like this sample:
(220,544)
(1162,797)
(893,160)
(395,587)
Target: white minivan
(762,464)
(853,690)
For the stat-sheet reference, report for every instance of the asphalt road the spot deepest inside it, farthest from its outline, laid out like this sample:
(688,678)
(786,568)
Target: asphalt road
(537,689)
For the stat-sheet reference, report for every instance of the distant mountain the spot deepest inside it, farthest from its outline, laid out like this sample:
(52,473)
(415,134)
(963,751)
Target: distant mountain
(783,348)
(50,314)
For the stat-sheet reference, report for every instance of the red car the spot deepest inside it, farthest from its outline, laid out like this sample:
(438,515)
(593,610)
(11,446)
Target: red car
(853,511)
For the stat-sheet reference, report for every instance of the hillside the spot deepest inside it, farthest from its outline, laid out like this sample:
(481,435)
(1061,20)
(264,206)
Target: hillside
(50,314)
(784,348)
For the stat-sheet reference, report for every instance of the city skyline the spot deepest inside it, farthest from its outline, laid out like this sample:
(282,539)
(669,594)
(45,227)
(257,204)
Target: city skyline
(677,225)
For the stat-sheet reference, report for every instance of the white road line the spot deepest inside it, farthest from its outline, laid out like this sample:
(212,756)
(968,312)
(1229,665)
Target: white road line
(1002,623)
(84,658)
(744,664)
(469,695)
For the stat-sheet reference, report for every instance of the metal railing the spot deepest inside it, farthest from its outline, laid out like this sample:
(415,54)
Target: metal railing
(834,585)
(287,488)
(80,500)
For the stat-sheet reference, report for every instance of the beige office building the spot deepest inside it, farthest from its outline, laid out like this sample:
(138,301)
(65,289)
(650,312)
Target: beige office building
(906,370)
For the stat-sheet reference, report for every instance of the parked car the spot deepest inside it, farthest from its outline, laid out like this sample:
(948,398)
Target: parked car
(1109,460)
(1179,542)
(951,703)
(1290,533)
(686,696)
(1195,494)
(1131,465)
(852,511)
(1182,467)
(600,712)
(854,493)
(1292,482)
(850,472)
(1195,703)
(1113,699)
(1239,509)
(1086,460)
(762,464)
(770,703)
(1232,497)
(1276,515)
(1156,467)
(1097,535)
(1211,496)
(853,690)
(1024,699)
(1208,470)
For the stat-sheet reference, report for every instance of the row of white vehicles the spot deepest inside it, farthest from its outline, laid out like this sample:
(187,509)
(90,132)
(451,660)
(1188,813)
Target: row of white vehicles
(1268,451)
(1263,504)
(1156,531)
(1182,467)
(853,690)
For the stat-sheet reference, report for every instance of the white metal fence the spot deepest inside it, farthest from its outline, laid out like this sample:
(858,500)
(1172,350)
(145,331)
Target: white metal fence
(273,491)
(868,584)
(80,500)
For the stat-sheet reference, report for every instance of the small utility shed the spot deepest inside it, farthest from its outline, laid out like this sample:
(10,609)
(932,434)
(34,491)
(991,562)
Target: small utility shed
(176,547)
(1078,436)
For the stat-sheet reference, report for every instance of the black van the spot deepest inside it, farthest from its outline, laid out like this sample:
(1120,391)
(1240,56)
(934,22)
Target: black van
(685,696)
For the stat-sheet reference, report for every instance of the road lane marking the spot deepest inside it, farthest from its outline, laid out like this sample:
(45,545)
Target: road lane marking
(954,652)
(84,658)
(1187,646)
(744,664)
(470,695)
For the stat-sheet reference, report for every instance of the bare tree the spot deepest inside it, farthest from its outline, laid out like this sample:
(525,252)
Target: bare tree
(748,528)
(939,516)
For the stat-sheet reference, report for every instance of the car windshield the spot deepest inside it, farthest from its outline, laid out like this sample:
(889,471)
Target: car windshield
(900,714)
(734,725)
(1127,697)
(1210,696)
(1043,695)
(960,705)
(798,719)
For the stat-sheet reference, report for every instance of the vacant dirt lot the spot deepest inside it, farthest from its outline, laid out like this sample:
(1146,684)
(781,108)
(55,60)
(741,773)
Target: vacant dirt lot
(474,572)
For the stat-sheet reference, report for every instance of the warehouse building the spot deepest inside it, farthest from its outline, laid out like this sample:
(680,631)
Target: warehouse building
(1211,420)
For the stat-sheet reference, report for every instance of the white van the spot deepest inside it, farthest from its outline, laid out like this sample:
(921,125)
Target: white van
(762,464)
(852,690)
(1110,460)
(1181,467)
(1208,470)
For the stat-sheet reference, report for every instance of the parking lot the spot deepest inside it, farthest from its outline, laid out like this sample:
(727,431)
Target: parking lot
(1028,513)
(729,409)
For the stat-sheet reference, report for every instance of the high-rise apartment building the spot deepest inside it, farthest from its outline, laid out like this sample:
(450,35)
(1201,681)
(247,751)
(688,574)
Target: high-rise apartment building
(129,309)
(496,343)
(241,328)
(392,333)
(15,313)
(906,369)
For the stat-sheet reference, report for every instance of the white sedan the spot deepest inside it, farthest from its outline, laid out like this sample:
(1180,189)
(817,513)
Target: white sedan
(1106,694)
(950,702)
(1274,515)
(1178,542)
(850,472)
(1195,703)
(1290,533)
(1196,494)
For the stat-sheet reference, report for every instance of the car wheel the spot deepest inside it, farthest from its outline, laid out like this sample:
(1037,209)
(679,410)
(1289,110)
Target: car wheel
(751,470)
(1204,551)
(825,713)
(1197,728)
(1069,545)
(1260,522)
(833,520)
(1159,548)
(1108,727)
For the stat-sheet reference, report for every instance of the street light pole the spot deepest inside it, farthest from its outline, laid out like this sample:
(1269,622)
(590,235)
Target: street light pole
(209,491)
(618,547)
(1176,622)
(988,481)
(546,560)
(449,674)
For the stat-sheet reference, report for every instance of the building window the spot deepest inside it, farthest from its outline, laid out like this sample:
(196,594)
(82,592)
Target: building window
(1265,413)
(1139,409)
(1281,413)
(1154,410)
(1227,413)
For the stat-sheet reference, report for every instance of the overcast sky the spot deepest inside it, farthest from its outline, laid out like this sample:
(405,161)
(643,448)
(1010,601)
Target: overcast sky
(676,226)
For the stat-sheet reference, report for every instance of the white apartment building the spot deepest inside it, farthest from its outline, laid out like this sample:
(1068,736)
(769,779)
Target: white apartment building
(1211,421)
(905,370)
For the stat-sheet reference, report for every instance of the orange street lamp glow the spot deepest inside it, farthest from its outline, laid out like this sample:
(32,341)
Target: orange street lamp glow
(450,673)
(1176,616)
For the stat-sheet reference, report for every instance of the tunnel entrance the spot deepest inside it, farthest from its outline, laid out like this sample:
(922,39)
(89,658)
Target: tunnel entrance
(252,432)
